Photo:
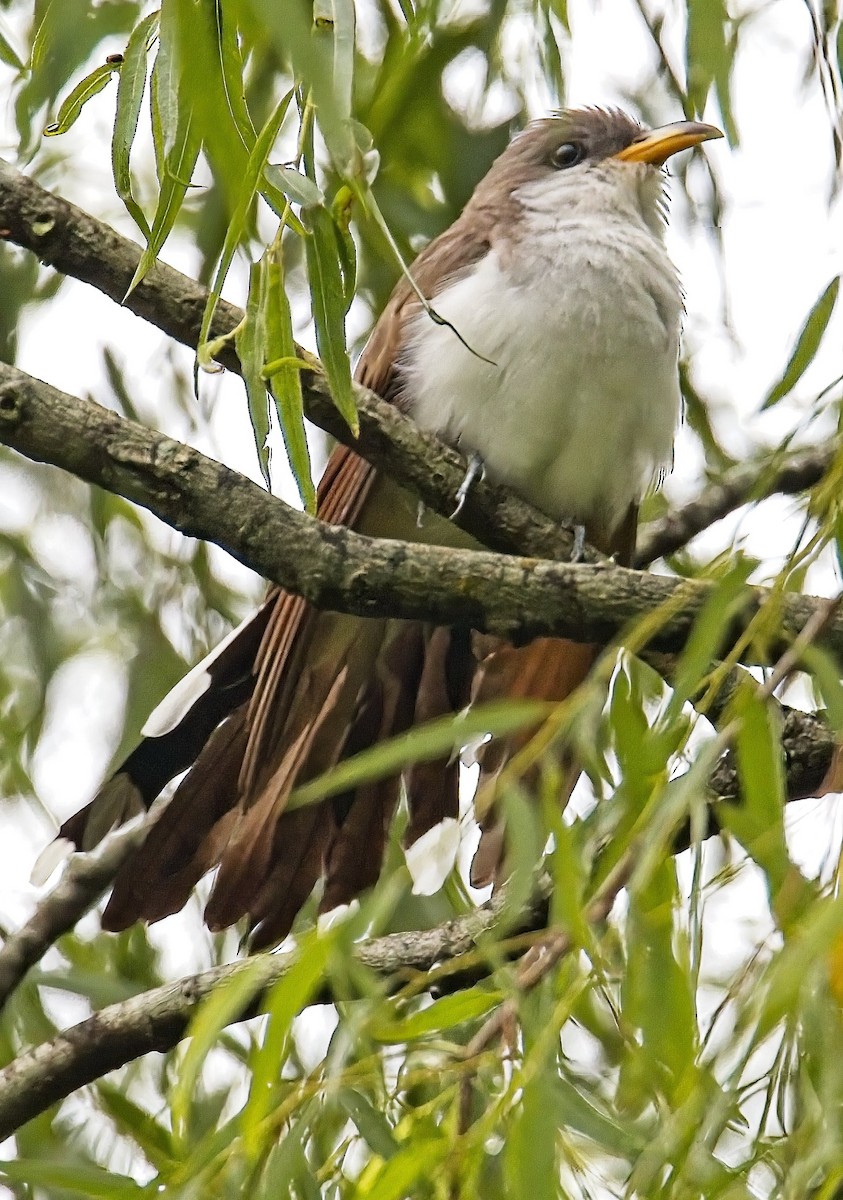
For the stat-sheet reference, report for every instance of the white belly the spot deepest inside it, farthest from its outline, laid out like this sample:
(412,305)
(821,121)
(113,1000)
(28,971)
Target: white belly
(578,407)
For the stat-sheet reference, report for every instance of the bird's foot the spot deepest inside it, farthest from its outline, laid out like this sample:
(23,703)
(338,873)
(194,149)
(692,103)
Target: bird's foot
(578,548)
(476,467)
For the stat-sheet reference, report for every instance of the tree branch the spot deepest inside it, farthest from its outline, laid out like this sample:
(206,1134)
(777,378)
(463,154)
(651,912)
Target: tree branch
(740,485)
(76,244)
(156,1020)
(334,568)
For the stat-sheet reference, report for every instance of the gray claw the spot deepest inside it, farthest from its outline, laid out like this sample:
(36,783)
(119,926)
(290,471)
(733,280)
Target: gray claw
(476,467)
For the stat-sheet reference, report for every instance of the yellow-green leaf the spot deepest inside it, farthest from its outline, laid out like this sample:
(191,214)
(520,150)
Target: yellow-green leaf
(79,97)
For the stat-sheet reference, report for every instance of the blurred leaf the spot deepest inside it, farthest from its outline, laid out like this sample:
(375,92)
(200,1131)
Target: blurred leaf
(151,1138)
(249,341)
(530,1150)
(328,296)
(130,90)
(758,821)
(371,1124)
(807,344)
(70,1177)
(9,55)
(435,739)
(285,383)
(395,1178)
(293,184)
(176,138)
(657,989)
(237,226)
(228,999)
(79,97)
(434,1018)
(709,54)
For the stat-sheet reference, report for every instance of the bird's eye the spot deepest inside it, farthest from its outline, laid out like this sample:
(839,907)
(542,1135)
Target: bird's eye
(567,155)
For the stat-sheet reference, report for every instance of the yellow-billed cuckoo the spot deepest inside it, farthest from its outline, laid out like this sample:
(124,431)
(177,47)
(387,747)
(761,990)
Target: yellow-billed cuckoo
(557,368)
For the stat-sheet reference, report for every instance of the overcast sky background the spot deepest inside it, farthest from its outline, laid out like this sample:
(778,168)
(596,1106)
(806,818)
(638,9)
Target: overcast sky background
(783,244)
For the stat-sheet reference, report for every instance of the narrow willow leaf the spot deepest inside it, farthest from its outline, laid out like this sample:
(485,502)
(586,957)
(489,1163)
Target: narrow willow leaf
(371,1124)
(657,989)
(79,97)
(237,226)
(705,47)
(285,385)
(177,145)
(442,1014)
(721,605)
(63,1177)
(445,735)
(152,1138)
(294,185)
(231,72)
(9,55)
(228,999)
(530,1151)
(250,350)
(285,1000)
(130,89)
(418,1159)
(329,308)
(758,821)
(807,344)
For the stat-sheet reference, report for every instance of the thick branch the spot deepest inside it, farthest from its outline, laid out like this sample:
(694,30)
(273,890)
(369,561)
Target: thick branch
(334,568)
(156,1020)
(76,244)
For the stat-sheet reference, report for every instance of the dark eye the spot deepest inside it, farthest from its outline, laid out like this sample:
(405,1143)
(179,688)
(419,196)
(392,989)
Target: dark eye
(567,155)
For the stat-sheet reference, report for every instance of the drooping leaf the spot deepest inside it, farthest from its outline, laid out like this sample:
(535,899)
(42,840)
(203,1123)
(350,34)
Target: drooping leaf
(285,383)
(250,350)
(807,344)
(425,743)
(237,226)
(175,136)
(328,296)
(130,89)
(72,106)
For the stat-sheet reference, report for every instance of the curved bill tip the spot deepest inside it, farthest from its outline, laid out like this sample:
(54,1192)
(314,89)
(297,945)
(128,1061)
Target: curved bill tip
(655,146)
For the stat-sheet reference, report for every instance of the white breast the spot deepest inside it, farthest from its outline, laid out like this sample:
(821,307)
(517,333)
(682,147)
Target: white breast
(578,406)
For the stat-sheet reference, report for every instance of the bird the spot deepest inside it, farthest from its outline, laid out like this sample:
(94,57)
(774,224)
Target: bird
(547,351)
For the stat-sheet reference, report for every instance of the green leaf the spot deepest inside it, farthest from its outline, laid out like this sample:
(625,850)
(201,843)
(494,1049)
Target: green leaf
(576,1109)
(758,820)
(530,1150)
(62,1176)
(237,227)
(79,97)
(224,1004)
(724,601)
(657,989)
(395,1180)
(9,55)
(176,139)
(433,740)
(285,384)
(442,1014)
(371,1124)
(807,344)
(328,296)
(294,185)
(250,350)
(284,1002)
(152,1138)
(130,89)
